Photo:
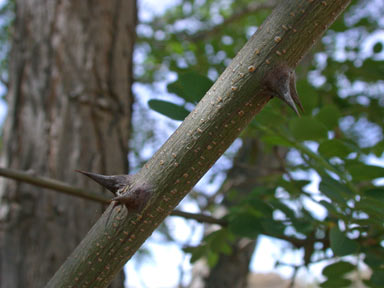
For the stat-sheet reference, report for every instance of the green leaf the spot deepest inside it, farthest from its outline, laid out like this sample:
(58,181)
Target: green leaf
(378,149)
(276,140)
(373,260)
(373,208)
(372,203)
(308,95)
(303,226)
(370,71)
(375,193)
(307,128)
(176,47)
(212,258)
(329,115)
(293,187)
(190,86)
(330,207)
(219,241)
(245,224)
(338,269)
(340,244)
(334,148)
(270,116)
(333,283)
(258,207)
(197,252)
(273,227)
(378,47)
(169,109)
(363,172)
(288,211)
(334,190)
(377,278)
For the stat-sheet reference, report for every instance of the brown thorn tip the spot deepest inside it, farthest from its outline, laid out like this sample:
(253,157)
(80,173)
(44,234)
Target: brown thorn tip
(293,91)
(281,82)
(112,183)
(287,98)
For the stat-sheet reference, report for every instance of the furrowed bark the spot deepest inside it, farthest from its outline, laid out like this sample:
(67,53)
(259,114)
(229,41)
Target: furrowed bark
(285,37)
(70,76)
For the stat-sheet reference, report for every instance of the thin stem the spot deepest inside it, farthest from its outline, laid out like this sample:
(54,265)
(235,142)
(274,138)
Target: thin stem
(202,218)
(78,192)
(52,185)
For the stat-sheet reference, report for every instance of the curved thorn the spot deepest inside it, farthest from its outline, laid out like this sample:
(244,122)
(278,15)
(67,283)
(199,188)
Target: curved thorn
(291,102)
(280,82)
(293,91)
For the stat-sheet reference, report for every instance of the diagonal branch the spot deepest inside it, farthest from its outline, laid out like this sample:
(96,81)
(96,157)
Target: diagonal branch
(227,108)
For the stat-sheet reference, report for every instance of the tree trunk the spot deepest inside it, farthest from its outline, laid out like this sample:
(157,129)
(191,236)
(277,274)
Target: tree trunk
(69,107)
(252,163)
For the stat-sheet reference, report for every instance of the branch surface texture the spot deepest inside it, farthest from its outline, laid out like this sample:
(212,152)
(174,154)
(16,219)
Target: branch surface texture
(231,103)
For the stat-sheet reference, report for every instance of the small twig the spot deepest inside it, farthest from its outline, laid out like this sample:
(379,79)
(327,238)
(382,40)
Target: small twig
(78,192)
(52,185)
(202,218)
(293,278)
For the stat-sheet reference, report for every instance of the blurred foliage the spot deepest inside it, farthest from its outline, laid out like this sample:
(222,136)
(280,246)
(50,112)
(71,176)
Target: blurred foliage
(339,137)
(183,38)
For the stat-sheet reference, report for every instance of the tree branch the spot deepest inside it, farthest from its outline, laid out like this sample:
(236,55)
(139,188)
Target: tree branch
(52,184)
(78,192)
(201,218)
(227,108)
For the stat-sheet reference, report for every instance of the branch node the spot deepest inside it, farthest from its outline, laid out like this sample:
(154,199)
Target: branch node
(113,183)
(134,197)
(281,83)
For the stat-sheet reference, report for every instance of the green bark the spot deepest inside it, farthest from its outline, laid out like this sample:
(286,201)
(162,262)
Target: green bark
(285,37)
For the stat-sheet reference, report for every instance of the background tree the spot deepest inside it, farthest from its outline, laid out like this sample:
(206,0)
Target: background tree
(69,107)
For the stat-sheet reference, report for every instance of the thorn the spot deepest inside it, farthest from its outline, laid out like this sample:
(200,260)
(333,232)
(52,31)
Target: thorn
(281,82)
(135,198)
(290,101)
(113,183)
(293,91)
